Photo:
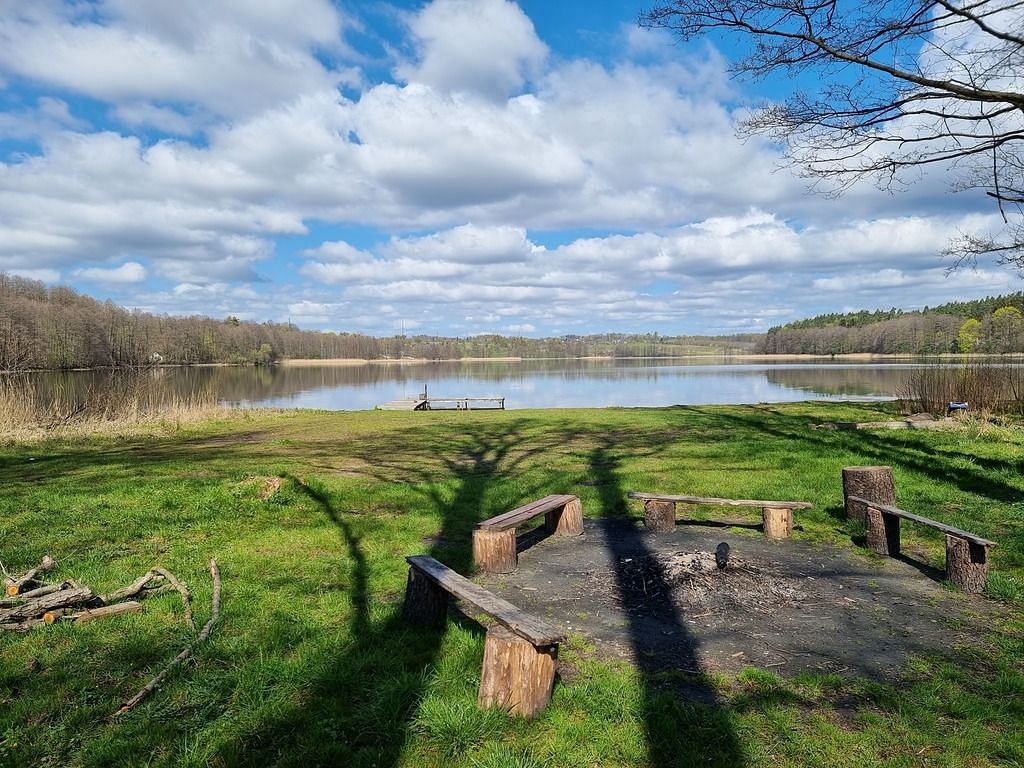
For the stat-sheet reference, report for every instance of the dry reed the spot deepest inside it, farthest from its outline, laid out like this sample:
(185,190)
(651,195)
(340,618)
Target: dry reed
(987,388)
(127,403)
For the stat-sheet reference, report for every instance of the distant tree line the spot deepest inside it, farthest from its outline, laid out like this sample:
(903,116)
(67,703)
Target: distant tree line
(990,325)
(44,328)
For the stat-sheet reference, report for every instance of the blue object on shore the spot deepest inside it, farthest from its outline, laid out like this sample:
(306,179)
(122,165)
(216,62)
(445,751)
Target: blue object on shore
(954,407)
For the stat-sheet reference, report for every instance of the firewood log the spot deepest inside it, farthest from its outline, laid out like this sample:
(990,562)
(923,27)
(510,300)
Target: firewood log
(34,609)
(16,585)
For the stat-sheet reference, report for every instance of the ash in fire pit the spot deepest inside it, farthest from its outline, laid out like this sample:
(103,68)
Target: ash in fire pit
(696,580)
(663,602)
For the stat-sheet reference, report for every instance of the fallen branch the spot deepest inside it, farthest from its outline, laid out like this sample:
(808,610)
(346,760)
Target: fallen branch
(35,608)
(147,689)
(14,586)
(103,612)
(186,598)
(132,589)
(23,597)
(21,626)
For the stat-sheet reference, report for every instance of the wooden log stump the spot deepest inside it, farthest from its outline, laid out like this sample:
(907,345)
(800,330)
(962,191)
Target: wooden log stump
(659,515)
(778,522)
(517,676)
(966,564)
(883,532)
(426,603)
(871,483)
(495,551)
(567,521)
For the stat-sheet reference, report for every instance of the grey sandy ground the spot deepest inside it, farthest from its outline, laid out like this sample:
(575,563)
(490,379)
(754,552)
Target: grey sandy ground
(788,605)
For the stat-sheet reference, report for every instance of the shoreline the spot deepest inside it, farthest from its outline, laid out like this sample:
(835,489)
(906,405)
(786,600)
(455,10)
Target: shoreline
(738,357)
(745,357)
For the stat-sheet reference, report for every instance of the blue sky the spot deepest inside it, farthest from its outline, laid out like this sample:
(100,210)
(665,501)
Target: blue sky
(453,167)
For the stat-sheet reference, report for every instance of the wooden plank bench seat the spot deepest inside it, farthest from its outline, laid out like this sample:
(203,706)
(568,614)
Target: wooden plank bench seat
(966,553)
(520,651)
(494,540)
(660,511)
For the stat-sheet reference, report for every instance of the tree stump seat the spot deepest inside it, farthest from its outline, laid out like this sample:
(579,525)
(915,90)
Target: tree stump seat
(660,511)
(966,553)
(494,540)
(520,651)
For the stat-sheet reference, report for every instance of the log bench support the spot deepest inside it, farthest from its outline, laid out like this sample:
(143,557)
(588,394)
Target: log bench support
(966,553)
(660,511)
(659,516)
(517,676)
(778,522)
(966,564)
(494,540)
(520,650)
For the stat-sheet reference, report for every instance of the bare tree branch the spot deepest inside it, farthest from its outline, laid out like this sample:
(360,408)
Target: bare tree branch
(904,84)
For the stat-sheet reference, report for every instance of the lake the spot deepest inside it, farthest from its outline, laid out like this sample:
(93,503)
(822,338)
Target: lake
(525,384)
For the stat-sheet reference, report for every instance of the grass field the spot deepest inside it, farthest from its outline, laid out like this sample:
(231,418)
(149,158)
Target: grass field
(311,665)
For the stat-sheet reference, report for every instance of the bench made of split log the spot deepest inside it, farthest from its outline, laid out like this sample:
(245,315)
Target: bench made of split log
(660,511)
(966,553)
(520,652)
(494,540)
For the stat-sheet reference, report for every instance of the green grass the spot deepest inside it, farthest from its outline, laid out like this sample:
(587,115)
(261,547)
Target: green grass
(311,664)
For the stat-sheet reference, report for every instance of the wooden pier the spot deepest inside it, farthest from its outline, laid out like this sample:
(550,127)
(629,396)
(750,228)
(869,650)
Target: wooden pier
(433,403)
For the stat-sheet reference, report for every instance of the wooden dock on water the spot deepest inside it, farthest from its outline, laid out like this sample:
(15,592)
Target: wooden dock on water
(432,403)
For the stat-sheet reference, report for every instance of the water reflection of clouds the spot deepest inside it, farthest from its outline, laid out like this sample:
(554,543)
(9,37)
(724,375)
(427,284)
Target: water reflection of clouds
(529,384)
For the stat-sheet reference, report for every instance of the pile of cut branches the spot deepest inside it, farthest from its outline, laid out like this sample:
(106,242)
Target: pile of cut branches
(29,602)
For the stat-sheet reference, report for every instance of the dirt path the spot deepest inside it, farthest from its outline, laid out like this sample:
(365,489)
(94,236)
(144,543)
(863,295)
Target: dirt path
(662,602)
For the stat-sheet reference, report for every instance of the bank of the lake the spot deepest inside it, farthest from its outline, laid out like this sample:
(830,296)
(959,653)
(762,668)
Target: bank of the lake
(525,384)
(311,664)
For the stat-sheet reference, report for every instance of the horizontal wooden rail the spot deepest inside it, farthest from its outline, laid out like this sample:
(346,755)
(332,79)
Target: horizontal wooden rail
(948,529)
(713,501)
(660,511)
(528,627)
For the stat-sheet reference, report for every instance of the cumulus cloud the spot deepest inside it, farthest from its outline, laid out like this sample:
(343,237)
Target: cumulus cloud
(505,186)
(232,57)
(484,47)
(468,244)
(129,272)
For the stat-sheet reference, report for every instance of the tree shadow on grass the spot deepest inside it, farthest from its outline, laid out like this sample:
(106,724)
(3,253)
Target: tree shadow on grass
(363,705)
(684,721)
(877,447)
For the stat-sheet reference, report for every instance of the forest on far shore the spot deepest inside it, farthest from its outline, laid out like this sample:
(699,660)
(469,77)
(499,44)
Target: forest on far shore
(993,325)
(56,328)
(43,328)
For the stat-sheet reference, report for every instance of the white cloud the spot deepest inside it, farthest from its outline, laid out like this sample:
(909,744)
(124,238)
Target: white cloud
(490,148)
(128,273)
(232,57)
(50,276)
(468,244)
(484,47)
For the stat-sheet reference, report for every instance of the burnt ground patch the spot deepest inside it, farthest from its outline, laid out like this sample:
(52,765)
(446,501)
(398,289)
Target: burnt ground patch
(788,606)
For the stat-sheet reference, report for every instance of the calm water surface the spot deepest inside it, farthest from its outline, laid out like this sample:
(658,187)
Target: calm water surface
(527,384)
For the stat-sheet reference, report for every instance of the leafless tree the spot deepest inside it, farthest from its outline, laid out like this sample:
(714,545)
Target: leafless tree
(900,86)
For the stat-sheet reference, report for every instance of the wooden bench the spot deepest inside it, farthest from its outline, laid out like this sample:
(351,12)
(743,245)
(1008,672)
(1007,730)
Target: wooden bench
(520,651)
(966,553)
(660,511)
(494,540)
